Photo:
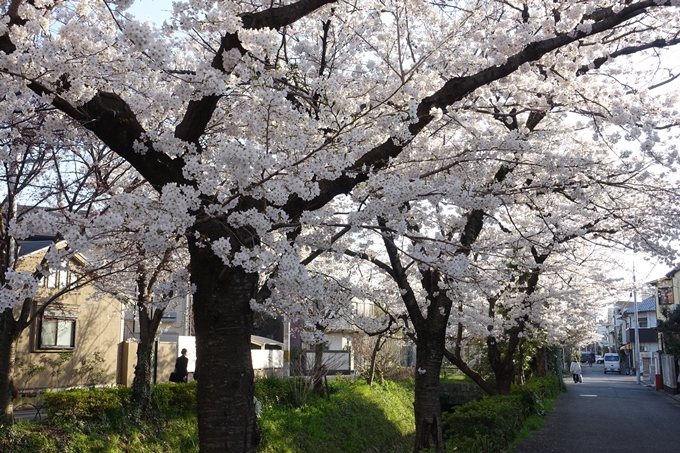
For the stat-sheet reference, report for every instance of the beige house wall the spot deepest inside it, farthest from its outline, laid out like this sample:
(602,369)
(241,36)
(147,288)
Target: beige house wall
(97,332)
(167,354)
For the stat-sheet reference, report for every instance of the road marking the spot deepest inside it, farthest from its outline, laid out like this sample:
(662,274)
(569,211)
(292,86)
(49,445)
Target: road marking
(589,395)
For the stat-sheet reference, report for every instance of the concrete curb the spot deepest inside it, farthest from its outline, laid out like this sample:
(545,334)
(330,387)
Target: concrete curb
(661,391)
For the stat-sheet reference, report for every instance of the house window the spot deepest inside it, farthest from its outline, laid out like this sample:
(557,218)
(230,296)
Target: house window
(57,333)
(59,279)
(643,322)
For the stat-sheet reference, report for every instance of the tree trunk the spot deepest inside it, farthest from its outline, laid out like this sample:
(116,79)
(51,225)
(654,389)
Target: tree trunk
(374,355)
(520,361)
(224,320)
(541,361)
(141,384)
(319,370)
(503,384)
(427,406)
(8,336)
(503,366)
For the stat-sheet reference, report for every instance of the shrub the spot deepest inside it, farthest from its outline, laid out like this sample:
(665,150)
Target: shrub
(273,391)
(86,404)
(491,416)
(491,423)
(174,400)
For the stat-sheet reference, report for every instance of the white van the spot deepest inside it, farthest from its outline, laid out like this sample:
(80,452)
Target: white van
(612,363)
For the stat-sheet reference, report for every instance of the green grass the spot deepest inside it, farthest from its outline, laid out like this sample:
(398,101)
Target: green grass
(455,378)
(532,423)
(356,419)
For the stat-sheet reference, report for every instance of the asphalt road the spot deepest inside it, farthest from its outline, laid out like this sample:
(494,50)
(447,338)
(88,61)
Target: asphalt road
(608,413)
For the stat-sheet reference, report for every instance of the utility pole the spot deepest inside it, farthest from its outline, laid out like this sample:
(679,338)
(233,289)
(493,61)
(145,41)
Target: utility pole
(286,346)
(637,334)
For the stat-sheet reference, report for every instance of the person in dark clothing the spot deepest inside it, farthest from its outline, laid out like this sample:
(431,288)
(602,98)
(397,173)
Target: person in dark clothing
(180,374)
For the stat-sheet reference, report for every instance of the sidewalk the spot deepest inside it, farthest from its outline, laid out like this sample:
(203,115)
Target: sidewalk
(662,391)
(30,414)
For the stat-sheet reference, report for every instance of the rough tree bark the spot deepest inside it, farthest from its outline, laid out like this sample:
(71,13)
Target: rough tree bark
(379,343)
(541,361)
(9,332)
(319,369)
(223,321)
(427,407)
(141,384)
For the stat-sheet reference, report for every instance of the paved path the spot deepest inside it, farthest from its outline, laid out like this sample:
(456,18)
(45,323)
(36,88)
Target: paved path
(26,413)
(608,413)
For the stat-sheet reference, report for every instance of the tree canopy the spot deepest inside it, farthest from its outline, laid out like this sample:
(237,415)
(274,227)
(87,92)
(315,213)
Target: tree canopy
(479,149)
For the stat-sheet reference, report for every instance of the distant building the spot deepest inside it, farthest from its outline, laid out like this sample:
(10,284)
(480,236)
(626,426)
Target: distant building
(646,327)
(667,292)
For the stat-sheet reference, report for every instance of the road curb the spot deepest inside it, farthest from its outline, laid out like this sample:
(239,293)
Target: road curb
(676,397)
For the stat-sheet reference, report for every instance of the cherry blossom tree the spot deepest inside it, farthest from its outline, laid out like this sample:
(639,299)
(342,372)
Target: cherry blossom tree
(503,273)
(250,117)
(146,269)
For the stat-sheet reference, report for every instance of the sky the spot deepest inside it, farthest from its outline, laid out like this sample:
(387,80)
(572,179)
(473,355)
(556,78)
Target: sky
(155,10)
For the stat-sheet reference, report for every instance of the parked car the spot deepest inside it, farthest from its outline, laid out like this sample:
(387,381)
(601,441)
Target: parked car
(599,359)
(612,363)
(585,356)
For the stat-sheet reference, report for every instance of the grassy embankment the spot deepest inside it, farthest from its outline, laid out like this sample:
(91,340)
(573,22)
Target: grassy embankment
(355,418)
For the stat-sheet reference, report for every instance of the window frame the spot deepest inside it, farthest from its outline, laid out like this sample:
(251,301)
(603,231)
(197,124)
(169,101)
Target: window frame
(58,279)
(56,347)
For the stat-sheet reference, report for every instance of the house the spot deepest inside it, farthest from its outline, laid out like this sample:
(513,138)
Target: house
(176,321)
(75,340)
(615,325)
(667,292)
(646,330)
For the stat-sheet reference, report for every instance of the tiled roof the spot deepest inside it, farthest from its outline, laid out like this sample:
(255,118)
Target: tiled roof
(648,304)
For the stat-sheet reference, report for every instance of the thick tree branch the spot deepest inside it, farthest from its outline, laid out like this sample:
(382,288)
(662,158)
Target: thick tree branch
(630,50)
(469,372)
(199,112)
(454,90)
(399,275)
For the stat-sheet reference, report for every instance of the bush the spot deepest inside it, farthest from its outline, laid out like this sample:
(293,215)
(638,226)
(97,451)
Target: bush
(86,404)
(174,400)
(273,391)
(491,423)
(493,416)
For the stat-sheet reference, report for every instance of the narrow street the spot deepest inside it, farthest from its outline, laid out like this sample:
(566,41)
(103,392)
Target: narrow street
(608,413)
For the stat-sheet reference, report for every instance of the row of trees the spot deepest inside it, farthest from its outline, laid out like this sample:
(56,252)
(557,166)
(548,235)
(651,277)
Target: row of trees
(467,166)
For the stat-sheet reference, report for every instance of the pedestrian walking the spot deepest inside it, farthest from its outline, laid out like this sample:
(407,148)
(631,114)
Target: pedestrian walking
(575,369)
